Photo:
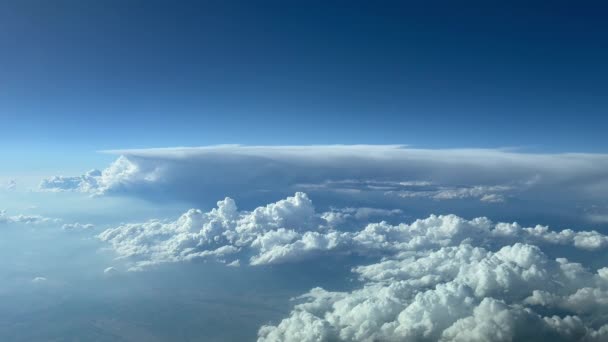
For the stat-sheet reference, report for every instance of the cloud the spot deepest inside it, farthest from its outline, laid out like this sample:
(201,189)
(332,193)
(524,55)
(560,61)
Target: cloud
(456,293)
(89,182)
(26,219)
(291,230)
(441,278)
(491,176)
(11,185)
(441,192)
(38,280)
(492,198)
(340,216)
(235,263)
(217,234)
(110,271)
(76,226)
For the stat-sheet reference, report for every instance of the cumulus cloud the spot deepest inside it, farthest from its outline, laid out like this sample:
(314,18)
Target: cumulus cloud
(441,278)
(290,230)
(85,183)
(217,234)
(491,176)
(456,293)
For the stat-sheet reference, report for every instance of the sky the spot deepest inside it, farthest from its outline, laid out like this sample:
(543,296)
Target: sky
(314,171)
(135,74)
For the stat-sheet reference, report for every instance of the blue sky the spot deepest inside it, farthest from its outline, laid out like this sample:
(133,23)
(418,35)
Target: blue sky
(87,76)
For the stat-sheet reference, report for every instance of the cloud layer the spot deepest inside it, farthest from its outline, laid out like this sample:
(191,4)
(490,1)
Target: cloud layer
(442,278)
(439,278)
(291,229)
(491,176)
(457,293)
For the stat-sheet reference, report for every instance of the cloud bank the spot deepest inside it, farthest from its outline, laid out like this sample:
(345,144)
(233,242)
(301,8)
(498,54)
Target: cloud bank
(490,176)
(441,278)
(291,229)
(457,293)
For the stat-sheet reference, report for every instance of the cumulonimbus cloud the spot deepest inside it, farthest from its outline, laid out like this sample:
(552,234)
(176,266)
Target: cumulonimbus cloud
(491,176)
(439,278)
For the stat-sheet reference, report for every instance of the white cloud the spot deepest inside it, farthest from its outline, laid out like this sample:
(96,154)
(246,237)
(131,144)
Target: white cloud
(76,226)
(340,216)
(38,280)
(291,230)
(441,278)
(110,271)
(26,219)
(492,198)
(89,182)
(488,194)
(216,234)
(235,263)
(457,293)
(457,174)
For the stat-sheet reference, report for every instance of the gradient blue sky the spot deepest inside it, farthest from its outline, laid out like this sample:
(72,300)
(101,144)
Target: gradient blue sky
(79,76)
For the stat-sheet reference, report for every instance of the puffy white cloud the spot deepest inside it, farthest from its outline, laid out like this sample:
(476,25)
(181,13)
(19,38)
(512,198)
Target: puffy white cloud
(441,278)
(590,240)
(457,293)
(290,229)
(89,182)
(215,234)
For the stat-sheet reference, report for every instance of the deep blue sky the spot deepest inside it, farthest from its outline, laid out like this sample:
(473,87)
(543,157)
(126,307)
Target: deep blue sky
(116,74)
